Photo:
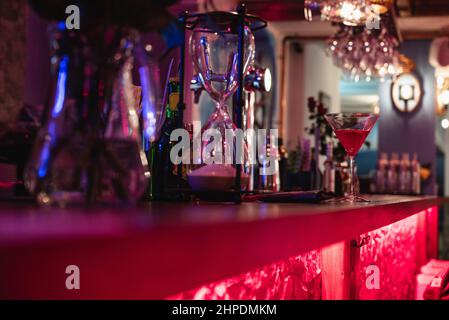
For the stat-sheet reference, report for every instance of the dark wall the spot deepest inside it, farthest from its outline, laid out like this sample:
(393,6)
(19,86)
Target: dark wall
(12,58)
(37,60)
(399,132)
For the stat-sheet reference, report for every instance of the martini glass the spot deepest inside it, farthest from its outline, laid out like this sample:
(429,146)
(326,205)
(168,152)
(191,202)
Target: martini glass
(352,129)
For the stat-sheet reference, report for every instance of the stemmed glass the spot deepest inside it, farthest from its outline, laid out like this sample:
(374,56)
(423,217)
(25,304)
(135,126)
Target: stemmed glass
(213,48)
(352,129)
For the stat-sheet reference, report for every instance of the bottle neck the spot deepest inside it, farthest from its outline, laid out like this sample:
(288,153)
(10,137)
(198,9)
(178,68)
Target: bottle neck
(173,98)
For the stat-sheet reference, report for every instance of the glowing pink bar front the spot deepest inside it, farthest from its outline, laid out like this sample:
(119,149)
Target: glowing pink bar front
(394,249)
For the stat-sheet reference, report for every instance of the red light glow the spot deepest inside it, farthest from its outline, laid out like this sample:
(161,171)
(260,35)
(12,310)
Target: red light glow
(395,249)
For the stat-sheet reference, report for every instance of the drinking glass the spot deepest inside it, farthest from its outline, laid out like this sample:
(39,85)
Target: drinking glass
(352,129)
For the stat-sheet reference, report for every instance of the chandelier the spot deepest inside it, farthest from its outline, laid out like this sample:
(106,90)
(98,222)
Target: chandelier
(363,53)
(348,12)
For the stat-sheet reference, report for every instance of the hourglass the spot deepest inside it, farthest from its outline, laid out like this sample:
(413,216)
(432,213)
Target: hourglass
(213,48)
(222,50)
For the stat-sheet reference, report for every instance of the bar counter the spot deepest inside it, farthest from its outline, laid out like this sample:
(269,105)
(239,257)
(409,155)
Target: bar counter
(164,249)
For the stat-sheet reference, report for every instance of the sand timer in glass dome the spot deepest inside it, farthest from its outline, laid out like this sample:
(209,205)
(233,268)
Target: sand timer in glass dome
(214,51)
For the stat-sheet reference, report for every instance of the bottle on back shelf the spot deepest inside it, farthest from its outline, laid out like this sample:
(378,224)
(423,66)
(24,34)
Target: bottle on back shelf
(392,176)
(405,174)
(329,169)
(415,169)
(381,173)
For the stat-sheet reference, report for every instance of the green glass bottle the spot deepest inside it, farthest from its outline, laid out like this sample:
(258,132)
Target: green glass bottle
(163,171)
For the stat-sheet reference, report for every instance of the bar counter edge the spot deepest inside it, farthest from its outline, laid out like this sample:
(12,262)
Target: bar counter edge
(162,249)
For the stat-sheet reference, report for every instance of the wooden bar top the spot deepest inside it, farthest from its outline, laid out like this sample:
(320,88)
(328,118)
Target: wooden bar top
(172,247)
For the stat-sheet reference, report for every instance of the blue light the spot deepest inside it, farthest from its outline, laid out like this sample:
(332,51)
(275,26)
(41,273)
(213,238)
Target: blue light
(61,25)
(45,152)
(57,107)
(45,155)
(60,87)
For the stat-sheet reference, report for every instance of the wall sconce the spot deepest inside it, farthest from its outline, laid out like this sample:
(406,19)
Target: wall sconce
(406,92)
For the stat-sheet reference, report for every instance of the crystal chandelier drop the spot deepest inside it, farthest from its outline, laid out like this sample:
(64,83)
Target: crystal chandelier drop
(364,54)
(348,12)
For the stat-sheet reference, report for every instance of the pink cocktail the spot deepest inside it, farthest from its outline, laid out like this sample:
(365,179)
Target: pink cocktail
(352,129)
(352,140)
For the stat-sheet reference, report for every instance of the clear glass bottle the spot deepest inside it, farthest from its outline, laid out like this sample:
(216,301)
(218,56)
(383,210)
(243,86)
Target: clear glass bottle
(329,169)
(270,181)
(381,173)
(405,178)
(392,175)
(415,175)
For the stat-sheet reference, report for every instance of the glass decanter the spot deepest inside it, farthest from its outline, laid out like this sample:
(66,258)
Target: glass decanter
(89,148)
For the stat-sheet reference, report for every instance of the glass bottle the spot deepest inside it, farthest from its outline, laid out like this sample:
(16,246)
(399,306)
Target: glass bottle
(164,173)
(392,179)
(381,173)
(283,164)
(415,175)
(329,169)
(405,178)
(270,181)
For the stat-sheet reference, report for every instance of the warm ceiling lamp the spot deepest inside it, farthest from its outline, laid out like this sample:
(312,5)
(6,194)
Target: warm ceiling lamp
(348,12)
